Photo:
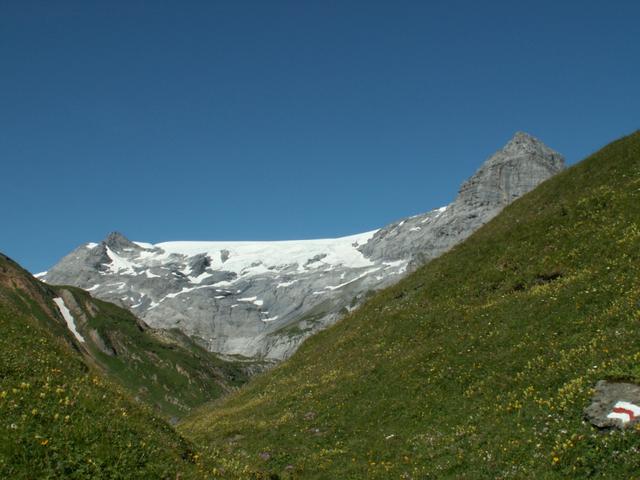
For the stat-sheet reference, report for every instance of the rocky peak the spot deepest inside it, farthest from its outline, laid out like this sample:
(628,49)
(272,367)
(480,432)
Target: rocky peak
(118,242)
(524,147)
(515,169)
(523,141)
(512,171)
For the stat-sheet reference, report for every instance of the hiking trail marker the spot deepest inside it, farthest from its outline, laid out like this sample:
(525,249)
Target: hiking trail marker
(614,405)
(625,411)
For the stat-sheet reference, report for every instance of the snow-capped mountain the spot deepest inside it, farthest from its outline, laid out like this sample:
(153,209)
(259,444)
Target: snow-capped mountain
(262,299)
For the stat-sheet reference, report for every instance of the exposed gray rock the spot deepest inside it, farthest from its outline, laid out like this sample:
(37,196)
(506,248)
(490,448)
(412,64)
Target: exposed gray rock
(609,397)
(513,171)
(117,241)
(262,299)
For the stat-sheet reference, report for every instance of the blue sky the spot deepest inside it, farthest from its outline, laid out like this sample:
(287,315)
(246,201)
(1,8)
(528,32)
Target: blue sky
(264,120)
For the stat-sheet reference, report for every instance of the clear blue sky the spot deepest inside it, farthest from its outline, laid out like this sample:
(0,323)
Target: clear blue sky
(258,120)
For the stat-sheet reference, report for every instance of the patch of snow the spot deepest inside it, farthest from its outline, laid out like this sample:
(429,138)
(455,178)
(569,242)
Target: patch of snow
(185,290)
(120,285)
(253,300)
(395,263)
(120,265)
(255,258)
(438,212)
(151,275)
(144,245)
(40,275)
(255,269)
(66,314)
(329,287)
(286,284)
(90,245)
(199,278)
(415,229)
(175,294)
(270,319)
(92,288)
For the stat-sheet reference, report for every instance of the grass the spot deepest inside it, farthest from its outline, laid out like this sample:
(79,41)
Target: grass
(61,418)
(165,369)
(478,365)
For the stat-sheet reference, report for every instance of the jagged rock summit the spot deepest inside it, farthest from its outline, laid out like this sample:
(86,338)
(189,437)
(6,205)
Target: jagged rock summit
(262,299)
(511,172)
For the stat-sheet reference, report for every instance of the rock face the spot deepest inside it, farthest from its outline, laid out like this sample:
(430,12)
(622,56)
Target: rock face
(510,173)
(262,299)
(614,405)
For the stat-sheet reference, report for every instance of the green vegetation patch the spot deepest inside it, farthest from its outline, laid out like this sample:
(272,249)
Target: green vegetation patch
(163,368)
(59,419)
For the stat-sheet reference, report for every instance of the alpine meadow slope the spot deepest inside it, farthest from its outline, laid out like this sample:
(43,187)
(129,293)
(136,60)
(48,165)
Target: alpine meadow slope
(163,368)
(60,417)
(478,365)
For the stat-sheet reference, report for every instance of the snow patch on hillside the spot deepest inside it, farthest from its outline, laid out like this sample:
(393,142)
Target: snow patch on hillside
(120,265)
(66,314)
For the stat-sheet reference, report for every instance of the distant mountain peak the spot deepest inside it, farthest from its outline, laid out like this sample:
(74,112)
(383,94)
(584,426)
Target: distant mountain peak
(262,299)
(520,152)
(523,143)
(117,241)
(524,137)
(512,171)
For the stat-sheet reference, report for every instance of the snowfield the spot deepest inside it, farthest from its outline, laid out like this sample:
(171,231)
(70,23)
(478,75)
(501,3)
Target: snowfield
(256,257)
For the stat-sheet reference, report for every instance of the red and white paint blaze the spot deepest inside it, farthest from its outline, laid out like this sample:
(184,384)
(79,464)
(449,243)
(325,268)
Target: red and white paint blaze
(625,412)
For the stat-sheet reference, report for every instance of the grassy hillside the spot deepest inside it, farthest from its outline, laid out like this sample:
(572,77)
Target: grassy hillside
(60,418)
(163,368)
(479,365)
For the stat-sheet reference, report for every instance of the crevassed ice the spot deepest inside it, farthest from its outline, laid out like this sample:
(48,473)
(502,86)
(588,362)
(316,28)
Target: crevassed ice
(247,256)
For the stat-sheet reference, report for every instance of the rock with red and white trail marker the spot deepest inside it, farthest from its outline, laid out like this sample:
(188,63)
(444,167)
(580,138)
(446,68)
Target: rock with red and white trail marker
(614,405)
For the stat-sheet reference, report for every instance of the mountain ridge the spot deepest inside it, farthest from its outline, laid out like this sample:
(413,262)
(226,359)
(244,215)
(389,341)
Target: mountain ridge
(262,299)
